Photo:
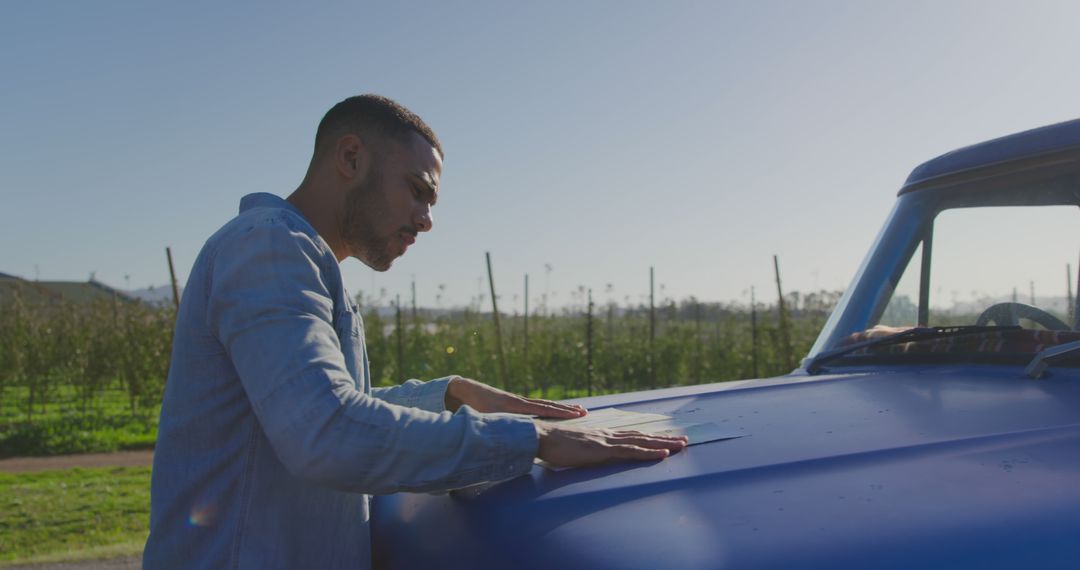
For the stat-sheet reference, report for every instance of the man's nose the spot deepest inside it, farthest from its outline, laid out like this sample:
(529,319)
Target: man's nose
(422,219)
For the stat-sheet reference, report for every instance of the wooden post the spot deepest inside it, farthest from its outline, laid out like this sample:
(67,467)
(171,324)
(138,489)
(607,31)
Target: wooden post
(610,322)
(588,346)
(172,279)
(652,307)
(753,333)
(498,329)
(785,334)
(115,311)
(700,346)
(652,328)
(414,299)
(527,377)
(610,339)
(717,339)
(399,328)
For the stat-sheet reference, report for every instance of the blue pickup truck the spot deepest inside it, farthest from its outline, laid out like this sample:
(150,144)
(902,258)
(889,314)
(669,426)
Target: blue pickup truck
(935,423)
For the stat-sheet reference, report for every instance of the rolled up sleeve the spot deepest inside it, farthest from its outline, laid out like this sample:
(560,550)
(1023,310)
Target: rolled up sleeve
(271,309)
(430,395)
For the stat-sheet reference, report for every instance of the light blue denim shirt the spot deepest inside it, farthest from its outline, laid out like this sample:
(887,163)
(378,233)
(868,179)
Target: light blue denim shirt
(271,436)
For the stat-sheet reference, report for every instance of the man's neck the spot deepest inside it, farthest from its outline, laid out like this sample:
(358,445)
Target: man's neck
(323,219)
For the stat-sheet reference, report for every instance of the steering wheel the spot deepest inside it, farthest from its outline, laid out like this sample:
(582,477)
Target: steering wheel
(1009,314)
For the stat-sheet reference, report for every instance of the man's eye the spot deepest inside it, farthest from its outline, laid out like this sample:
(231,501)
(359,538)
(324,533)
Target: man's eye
(423,194)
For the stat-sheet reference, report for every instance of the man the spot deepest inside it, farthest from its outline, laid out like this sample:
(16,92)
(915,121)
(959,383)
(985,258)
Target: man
(271,436)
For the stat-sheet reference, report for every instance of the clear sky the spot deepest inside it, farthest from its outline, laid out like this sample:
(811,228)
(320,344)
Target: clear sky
(594,138)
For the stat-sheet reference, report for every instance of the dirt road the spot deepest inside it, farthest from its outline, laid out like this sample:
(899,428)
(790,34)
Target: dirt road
(117,459)
(126,563)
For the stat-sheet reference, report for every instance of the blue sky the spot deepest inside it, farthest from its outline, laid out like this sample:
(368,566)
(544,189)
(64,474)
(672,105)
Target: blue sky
(595,137)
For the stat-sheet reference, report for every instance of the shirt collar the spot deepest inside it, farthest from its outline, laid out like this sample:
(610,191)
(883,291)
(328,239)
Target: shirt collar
(266,200)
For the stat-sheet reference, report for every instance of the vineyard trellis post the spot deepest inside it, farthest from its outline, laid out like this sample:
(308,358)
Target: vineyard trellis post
(652,328)
(698,368)
(414,299)
(172,279)
(498,329)
(589,346)
(610,321)
(525,356)
(399,329)
(753,333)
(785,334)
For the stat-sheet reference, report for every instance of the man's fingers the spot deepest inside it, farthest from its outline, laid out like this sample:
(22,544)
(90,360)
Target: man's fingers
(627,451)
(568,446)
(650,441)
(555,404)
(549,409)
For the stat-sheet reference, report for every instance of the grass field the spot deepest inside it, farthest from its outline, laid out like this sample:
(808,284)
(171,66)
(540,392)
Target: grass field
(73,514)
(62,426)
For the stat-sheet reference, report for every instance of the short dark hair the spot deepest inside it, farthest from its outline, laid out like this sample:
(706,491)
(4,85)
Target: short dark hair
(373,113)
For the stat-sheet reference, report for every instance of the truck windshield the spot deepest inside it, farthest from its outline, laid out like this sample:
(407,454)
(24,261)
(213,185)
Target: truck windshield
(1003,265)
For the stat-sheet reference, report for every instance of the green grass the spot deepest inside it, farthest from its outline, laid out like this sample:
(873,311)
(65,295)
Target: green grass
(63,401)
(61,427)
(74,513)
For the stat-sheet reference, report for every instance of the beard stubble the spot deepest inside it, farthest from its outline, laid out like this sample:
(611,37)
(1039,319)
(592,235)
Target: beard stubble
(363,206)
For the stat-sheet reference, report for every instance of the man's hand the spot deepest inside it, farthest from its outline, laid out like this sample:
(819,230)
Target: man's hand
(483,398)
(573,447)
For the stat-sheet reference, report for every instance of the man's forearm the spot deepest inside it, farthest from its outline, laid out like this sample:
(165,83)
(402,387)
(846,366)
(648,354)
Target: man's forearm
(430,395)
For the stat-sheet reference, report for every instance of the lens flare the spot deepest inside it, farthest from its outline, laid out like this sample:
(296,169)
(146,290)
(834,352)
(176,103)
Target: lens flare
(204,514)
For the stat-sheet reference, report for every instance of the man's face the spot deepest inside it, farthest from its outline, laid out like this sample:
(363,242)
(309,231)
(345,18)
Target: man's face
(387,210)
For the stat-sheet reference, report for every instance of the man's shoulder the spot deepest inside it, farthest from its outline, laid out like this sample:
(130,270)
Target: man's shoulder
(269,234)
(271,220)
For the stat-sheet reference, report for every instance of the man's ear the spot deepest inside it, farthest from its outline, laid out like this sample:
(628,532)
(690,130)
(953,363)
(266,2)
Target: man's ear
(352,157)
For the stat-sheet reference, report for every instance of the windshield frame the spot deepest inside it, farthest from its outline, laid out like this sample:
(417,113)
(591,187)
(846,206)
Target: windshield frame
(910,223)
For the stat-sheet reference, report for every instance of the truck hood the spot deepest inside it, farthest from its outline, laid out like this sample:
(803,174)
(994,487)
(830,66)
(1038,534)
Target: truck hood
(911,468)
